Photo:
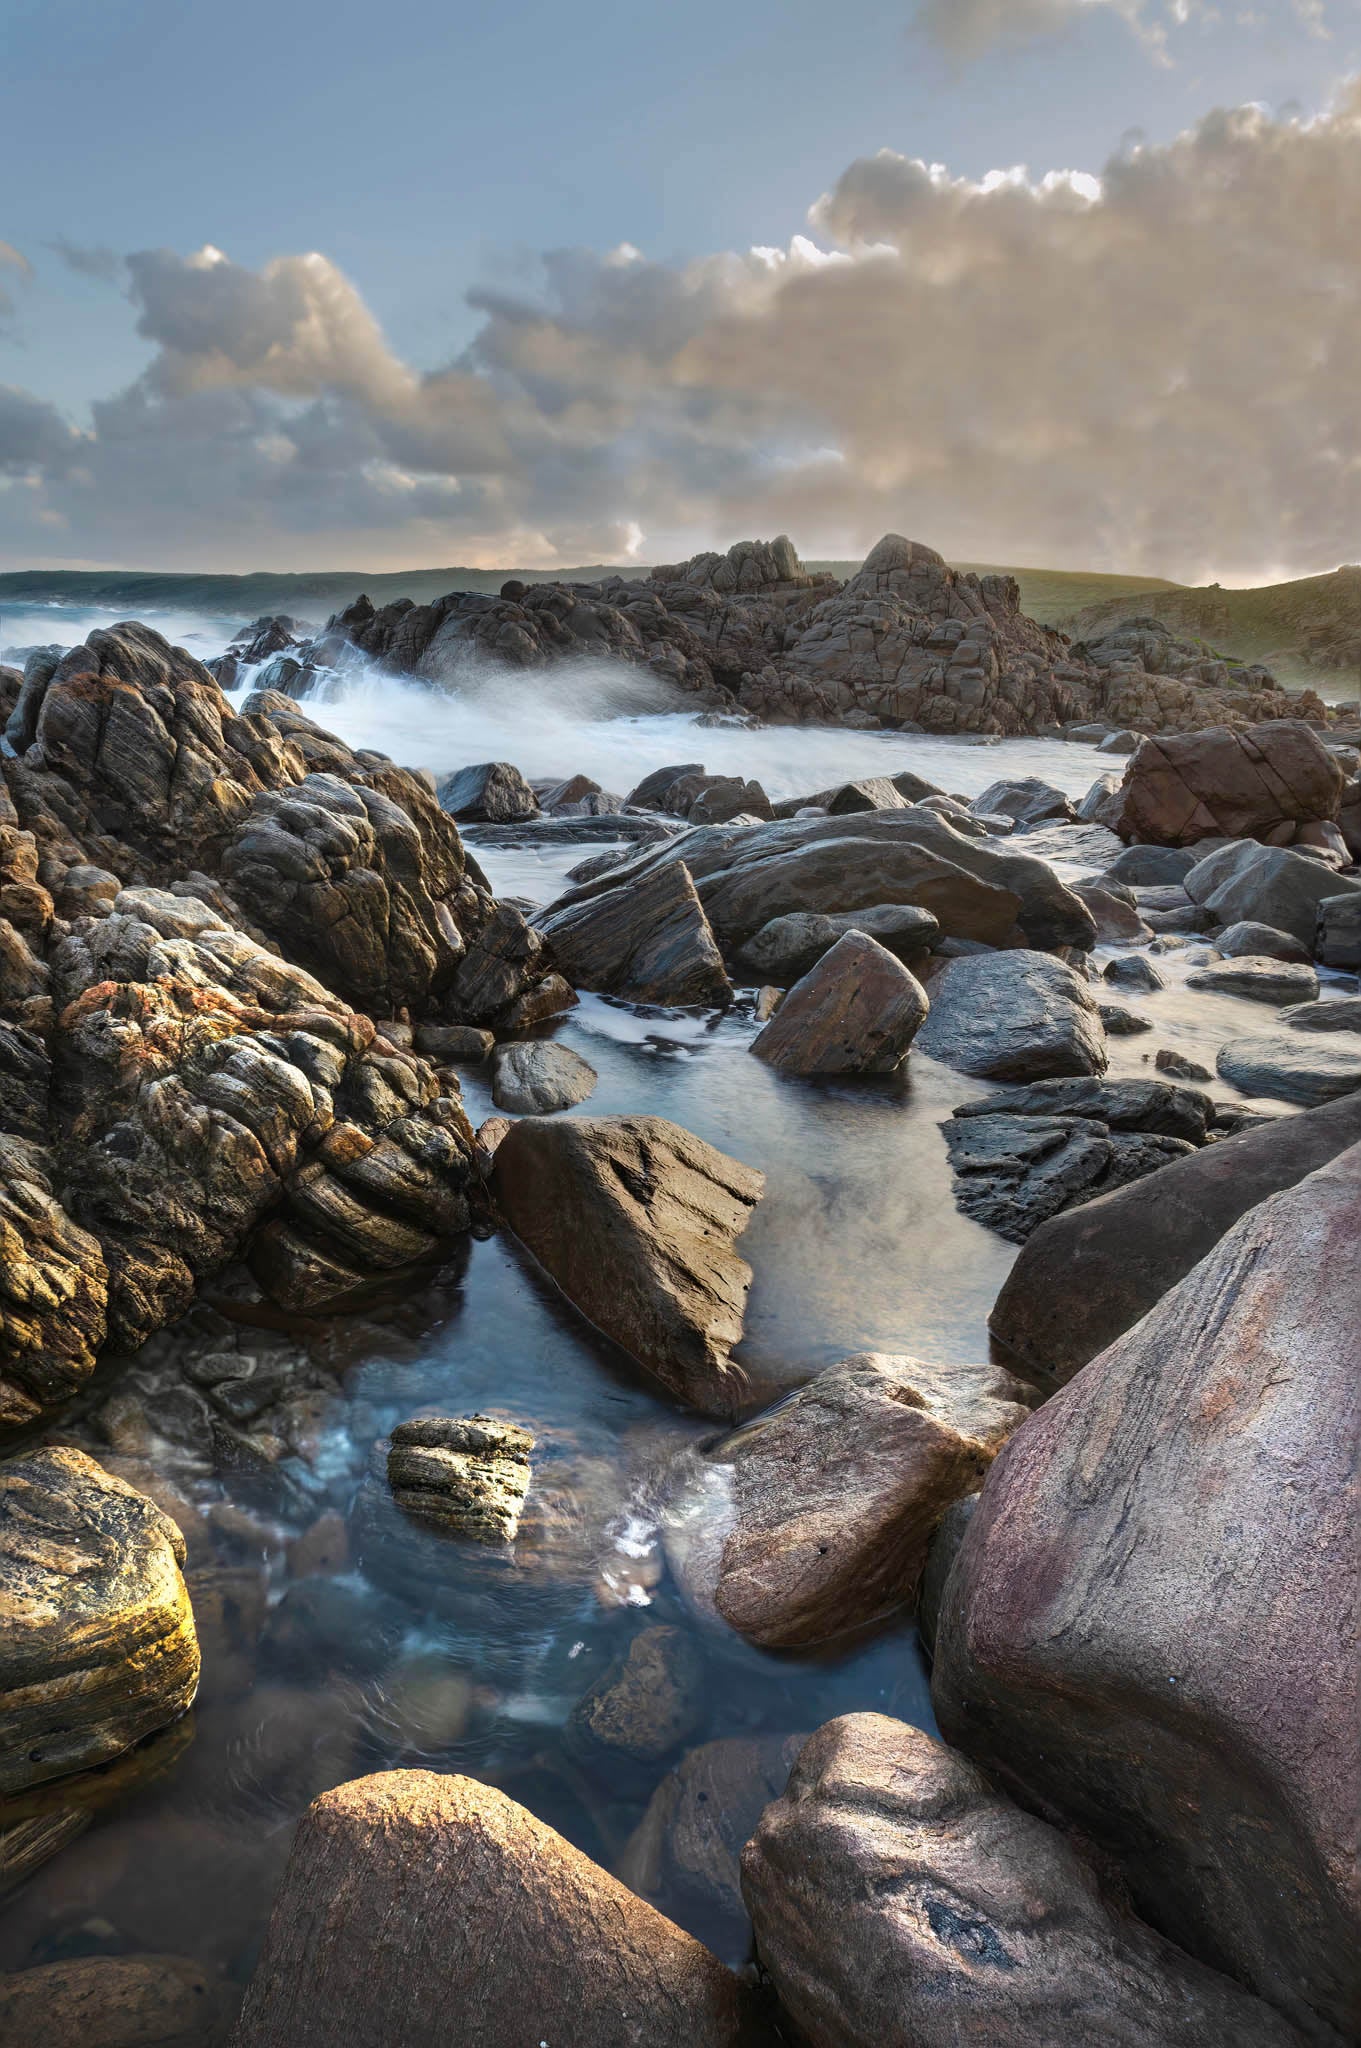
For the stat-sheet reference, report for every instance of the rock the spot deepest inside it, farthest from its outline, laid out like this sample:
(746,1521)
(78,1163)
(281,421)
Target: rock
(1267,885)
(1192,1710)
(1183,787)
(1086,1277)
(1258,941)
(53,1277)
(1091,808)
(1342,1014)
(1260,978)
(941,1553)
(534,1078)
(1149,1106)
(814,1518)
(1141,867)
(1122,1023)
(726,797)
(651,791)
(1120,743)
(786,948)
(1133,971)
(99,1647)
(1012,1173)
(900,1902)
(650,941)
(510,1935)
(1181,1069)
(856,1012)
(646,1704)
(114,2002)
(1026,799)
(635,1220)
(492,793)
(1115,920)
(471,1474)
(453,1042)
(1339,930)
(1291,1067)
(1014,1016)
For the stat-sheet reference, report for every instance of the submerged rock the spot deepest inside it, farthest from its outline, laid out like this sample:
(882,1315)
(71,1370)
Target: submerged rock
(506,1930)
(98,1648)
(649,941)
(105,2001)
(856,1012)
(1013,1016)
(900,1902)
(636,1219)
(1193,1710)
(536,1078)
(649,1701)
(471,1473)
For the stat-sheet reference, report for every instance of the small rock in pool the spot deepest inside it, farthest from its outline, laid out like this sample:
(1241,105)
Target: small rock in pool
(1131,970)
(1121,1023)
(471,1473)
(1169,1062)
(1262,979)
(536,1078)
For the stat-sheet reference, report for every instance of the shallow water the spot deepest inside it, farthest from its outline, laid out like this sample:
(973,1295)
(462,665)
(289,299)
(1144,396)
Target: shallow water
(339,1637)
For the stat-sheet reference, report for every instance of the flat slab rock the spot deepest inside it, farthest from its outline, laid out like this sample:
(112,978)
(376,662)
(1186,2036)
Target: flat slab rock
(536,1078)
(901,1902)
(856,1012)
(469,1473)
(1150,1627)
(98,1647)
(814,1518)
(1012,1173)
(1013,1016)
(1293,1066)
(636,1220)
(509,1936)
(1260,978)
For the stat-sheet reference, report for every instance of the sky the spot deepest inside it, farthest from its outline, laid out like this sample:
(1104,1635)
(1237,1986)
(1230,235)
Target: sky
(1066,283)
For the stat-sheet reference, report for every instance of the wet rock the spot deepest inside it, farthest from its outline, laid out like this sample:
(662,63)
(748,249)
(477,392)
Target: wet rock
(650,792)
(1258,941)
(1258,977)
(1183,787)
(1193,1711)
(785,949)
(1269,885)
(328,1624)
(649,1701)
(470,1474)
(1085,1278)
(1154,1107)
(1026,799)
(1152,866)
(536,1078)
(99,1646)
(648,940)
(453,1042)
(1167,1061)
(1339,930)
(1012,1173)
(1292,1067)
(814,1518)
(724,797)
(53,1290)
(856,1012)
(502,1919)
(115,2002)
(1116,920)
(941,1553)
(1133,971)
(1121,1023)
(1342,1014)
(492,793)
(1013,1016)
(900,1902)
(635,1219)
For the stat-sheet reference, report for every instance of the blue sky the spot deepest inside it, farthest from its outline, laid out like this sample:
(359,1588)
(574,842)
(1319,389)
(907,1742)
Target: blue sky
(429,152)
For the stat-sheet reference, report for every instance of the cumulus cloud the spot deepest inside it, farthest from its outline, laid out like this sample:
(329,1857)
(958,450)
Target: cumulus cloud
(968,28)
(1157,368)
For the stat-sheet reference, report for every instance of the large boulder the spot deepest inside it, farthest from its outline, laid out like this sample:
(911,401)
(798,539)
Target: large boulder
(635,1219)
(1222,784)
(900,1902)
(508,1935)
(784,950)
(1271,885)
(1013,1016)
(649,941)
(1087,1276)
(1292,1067)
(815,1518)
(1150,1626)
(492,793)
(98,1647)
(856,1012)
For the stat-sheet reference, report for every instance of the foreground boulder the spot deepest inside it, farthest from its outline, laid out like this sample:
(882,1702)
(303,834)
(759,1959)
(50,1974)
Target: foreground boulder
(1150,1626)
(1014,1016)
(635,1219)
(98,1647)
(856,1012)
(1084,1278)
(900,1902)
(115,2002)
(508,1935)
(815,1518)
(649,941)
(1219,784)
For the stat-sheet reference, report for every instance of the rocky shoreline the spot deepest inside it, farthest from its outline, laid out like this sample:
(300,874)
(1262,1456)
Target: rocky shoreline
(246,975)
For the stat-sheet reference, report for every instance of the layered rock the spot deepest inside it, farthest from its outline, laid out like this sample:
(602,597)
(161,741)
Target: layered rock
(635,1219)
(650,941)
(509,1935)
(1150,1626)
(900,1902)
(470,1474)
(99,1647)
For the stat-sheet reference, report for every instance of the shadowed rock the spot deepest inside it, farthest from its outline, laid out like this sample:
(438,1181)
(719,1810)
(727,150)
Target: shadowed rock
(787,947)
(856,1012)
(649,941)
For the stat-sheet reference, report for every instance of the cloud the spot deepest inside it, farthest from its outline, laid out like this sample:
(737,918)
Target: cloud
(1154,369)
(969,28)
(101,264)
(11,260)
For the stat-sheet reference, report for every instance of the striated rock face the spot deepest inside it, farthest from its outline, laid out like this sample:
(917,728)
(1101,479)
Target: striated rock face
(900,1902)
(1014,1016)
(815,1518)
(636,1219)
(509,1935)
(1219,784)
(98,1647)
(469,1474)
(856,1012)
(1150,1626)
(650,941)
